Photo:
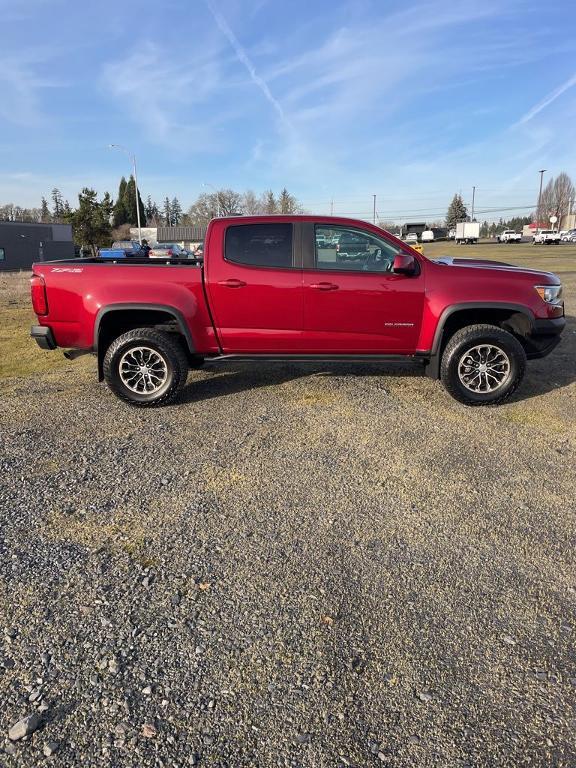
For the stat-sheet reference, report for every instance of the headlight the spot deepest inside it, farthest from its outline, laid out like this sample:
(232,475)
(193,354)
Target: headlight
(551,294)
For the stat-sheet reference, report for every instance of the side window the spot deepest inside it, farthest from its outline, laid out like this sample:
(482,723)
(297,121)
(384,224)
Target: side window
(260,245)
(352,250)
(2,254)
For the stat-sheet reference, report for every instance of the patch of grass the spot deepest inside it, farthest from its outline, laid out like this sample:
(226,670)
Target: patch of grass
(19,354)
(95,532)
(531,415)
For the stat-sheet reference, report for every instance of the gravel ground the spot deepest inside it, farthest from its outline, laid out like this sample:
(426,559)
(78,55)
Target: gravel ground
(293,566)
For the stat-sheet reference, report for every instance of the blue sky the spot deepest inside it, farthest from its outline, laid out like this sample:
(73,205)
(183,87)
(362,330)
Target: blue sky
(337,99)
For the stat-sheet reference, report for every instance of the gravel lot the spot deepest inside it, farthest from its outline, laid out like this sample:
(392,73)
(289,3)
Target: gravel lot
(298,565)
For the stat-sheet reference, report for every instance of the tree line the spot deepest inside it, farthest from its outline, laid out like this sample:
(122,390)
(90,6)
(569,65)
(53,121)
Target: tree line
(96,221)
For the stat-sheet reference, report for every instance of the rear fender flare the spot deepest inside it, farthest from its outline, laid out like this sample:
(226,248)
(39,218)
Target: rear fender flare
(175,313)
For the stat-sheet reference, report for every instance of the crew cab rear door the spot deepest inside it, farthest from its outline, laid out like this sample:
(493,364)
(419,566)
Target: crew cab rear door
(254,286)
(353,302)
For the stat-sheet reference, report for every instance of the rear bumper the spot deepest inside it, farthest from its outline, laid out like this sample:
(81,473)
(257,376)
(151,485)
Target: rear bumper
(44,337)
(545,337)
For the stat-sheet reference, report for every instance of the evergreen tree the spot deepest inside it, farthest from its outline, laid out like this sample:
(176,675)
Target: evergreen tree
(67,212)
(287,203)
(176,211)
(269,202)
(44,212)
(91,220)
(130,204)
(57,203)
(167,211)
(456,212)
(120,211)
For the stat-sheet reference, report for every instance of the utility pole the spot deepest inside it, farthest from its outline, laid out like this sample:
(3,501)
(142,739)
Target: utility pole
(374,210)
(473,196)
(538,211)
(332,207)
(133,158)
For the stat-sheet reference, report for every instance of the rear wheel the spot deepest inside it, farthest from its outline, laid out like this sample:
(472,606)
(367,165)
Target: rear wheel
(146,367)
(482,365)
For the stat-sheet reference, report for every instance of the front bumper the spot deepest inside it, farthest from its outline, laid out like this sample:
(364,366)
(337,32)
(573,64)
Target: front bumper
(44,337)
(545,336)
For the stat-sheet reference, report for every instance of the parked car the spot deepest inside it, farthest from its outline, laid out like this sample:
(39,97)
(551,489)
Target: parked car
(265,292)
(467,232)
(411,237)
(122,249)
(546,237)
(427,236)
(167,251)
(509,236)
(568,235)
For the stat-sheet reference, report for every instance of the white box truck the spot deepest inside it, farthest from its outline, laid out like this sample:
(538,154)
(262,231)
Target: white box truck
(467,232)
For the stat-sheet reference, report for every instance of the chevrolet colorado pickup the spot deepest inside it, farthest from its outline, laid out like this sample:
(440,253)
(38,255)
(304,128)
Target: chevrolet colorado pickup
(273,288)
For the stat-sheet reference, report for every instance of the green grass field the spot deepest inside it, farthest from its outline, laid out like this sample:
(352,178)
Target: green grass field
(552,258)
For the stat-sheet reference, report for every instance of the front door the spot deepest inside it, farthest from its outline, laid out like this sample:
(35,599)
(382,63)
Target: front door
(353,302)
(254,280)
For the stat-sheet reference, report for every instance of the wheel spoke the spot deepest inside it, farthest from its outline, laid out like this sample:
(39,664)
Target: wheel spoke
(484,368)
(143,370)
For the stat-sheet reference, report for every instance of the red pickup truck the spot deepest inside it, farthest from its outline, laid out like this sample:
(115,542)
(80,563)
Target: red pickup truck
(274,288)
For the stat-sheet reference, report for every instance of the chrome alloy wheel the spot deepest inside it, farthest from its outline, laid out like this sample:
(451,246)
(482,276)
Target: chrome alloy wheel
(143,370)
(484,368)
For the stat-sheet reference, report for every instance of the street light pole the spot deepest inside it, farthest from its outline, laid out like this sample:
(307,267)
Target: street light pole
(374,210)
(539,212)
(133,158)
(473,197)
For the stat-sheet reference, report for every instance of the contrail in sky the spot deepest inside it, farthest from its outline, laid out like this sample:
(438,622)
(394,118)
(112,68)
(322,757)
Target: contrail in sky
(245,60)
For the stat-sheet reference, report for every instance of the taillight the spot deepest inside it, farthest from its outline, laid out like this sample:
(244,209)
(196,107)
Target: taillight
(38,291)
(169,252)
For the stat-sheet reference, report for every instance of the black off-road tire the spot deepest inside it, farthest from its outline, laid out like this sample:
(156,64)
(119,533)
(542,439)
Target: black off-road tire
(472,336)
(166,345)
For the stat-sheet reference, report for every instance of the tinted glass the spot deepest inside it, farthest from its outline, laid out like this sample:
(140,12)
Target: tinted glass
(260,245)
(352,250)
(2,254)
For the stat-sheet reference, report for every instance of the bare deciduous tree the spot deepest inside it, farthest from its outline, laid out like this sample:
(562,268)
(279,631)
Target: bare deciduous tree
(556,198)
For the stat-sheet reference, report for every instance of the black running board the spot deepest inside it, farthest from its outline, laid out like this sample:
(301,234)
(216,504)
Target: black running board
(317,359)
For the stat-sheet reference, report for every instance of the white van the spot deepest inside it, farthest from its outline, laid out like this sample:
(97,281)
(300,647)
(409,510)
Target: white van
(427,236)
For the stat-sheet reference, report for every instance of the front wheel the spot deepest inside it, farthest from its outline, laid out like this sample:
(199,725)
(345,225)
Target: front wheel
(482,365)
(146,367)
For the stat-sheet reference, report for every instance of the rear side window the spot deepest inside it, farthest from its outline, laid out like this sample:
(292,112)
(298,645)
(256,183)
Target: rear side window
(2,254)
(260,245)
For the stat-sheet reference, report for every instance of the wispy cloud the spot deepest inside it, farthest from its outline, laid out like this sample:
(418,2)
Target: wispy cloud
(552,96)
(20,86)
(165,95)
(247,62)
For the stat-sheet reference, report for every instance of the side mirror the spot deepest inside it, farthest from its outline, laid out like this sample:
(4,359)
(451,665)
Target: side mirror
(404,264)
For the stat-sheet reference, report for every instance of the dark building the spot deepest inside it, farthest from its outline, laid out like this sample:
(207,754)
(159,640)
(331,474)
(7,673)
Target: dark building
(22,244)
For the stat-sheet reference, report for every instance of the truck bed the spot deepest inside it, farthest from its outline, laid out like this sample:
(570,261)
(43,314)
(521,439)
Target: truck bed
(80,291)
